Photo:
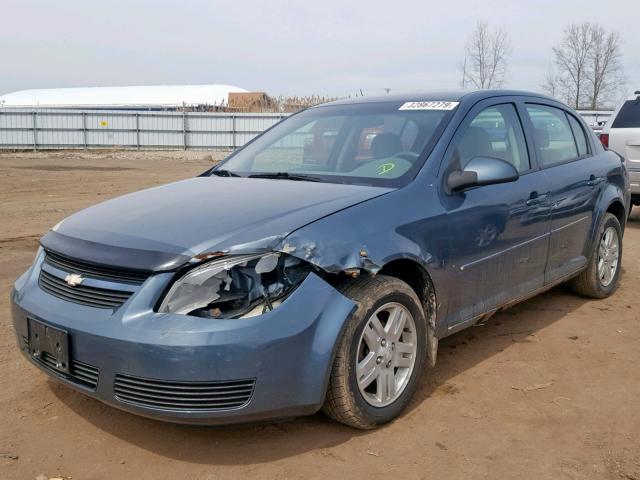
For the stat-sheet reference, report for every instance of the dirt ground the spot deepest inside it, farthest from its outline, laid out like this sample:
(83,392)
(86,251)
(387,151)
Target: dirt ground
(549,389)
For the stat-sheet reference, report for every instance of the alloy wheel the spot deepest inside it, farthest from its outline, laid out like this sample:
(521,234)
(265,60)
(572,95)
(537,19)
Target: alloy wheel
(386,354)
(608,256)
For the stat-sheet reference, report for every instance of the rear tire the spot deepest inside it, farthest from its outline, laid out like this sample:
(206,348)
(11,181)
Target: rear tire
(376,371)
(600,278)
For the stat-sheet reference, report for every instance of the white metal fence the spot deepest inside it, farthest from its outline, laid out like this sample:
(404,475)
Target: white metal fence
(45,129)
(596,117)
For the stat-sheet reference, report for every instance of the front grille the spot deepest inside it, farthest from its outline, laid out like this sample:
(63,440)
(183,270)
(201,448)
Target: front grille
(184,396)
(90,296)
(114,274)
(79,372)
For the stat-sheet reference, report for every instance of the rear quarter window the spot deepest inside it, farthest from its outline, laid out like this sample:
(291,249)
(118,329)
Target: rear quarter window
(578,133)
(628,116)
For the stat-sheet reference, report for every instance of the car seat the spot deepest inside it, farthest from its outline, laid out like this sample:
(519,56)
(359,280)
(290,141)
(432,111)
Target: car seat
(385,145)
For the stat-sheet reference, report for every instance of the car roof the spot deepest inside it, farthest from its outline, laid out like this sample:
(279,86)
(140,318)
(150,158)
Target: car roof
(438,95)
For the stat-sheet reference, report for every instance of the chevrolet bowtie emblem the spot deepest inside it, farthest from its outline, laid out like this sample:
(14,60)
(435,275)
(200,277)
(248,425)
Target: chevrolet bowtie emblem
(73,279)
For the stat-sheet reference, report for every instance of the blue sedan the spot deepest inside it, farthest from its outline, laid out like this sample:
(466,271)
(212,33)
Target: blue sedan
(318,266)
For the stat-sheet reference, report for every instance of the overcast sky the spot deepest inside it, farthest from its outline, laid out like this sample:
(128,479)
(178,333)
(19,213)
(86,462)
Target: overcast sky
(326,47)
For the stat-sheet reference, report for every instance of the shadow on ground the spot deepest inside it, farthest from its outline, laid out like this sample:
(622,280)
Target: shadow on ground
(240,444)
(634,219)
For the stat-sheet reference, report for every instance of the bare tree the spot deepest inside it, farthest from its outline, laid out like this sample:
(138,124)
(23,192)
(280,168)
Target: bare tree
(588,63)
(551,84)
(486,57)
(555,85)
(604,72)
(572,57)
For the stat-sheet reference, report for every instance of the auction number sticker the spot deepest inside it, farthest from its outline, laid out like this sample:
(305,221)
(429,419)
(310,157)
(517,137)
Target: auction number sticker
(432,105)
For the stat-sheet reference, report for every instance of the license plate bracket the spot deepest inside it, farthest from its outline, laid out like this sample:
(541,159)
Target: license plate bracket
(49,345)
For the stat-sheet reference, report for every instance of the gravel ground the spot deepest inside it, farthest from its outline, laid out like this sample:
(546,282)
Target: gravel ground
(549,389)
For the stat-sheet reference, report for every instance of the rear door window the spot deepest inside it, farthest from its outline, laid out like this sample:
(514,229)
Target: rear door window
(553,137)
(628,116)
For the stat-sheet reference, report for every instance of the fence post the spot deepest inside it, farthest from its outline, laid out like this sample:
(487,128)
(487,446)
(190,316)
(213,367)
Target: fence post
(137,131)
(233,132)
(84,129)
(184,129)
(35,131)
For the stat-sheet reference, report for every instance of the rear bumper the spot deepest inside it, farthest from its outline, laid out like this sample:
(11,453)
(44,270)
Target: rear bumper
(285,354)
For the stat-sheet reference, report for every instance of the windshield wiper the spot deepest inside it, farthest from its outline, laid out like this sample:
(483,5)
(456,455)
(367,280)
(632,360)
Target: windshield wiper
(285,176)
(221,172)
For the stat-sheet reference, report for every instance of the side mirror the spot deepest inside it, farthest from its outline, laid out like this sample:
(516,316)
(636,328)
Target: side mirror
(482,171)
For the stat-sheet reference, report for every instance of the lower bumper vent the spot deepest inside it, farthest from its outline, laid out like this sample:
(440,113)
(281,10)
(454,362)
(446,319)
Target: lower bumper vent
(183,396)
(79,372)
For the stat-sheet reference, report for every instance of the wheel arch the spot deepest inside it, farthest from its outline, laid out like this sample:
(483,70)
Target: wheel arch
(611,201)
(414,274)
(617,208)
(418,278)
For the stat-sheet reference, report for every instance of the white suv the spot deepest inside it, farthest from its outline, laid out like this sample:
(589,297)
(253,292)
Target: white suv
(622,135)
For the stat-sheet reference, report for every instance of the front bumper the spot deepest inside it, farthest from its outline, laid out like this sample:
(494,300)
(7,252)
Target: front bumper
(287,352)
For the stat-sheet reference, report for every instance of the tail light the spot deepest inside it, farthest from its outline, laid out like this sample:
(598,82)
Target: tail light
(604,139)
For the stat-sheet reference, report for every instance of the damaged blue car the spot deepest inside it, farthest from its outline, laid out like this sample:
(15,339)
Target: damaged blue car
(318,266)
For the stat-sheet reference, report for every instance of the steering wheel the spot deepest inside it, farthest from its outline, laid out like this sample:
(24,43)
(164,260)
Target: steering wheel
(410,156)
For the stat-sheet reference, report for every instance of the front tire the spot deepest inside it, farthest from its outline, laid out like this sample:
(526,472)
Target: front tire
(600,278)
(381,353)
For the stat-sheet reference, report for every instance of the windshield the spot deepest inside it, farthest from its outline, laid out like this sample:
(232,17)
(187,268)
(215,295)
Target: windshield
(368,143)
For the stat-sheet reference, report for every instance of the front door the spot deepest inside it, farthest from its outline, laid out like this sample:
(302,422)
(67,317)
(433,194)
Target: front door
(498,233)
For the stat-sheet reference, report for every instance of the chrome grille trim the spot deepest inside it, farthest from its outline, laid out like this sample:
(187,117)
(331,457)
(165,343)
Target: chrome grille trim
(183,396)
(79,372)
(113,274)
(84,295)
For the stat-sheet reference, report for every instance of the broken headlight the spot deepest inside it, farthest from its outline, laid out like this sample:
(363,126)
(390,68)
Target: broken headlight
(235,286)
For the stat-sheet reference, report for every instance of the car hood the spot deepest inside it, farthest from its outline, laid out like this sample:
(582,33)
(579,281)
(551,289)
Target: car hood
(163,227)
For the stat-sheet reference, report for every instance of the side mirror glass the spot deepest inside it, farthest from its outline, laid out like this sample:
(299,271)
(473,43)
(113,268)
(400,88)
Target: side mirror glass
(482,171)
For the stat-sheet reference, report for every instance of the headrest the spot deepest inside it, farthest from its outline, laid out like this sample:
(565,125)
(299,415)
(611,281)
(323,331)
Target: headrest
(475,143)
(385,145)
(542,137)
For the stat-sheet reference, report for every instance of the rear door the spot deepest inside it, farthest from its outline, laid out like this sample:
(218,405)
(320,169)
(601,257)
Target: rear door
(576,176)
(498,233)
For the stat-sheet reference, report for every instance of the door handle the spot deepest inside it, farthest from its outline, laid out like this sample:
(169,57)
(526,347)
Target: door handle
(593,180)
(536,199)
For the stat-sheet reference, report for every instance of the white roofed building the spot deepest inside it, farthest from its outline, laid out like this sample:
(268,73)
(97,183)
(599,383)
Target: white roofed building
(157,97)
